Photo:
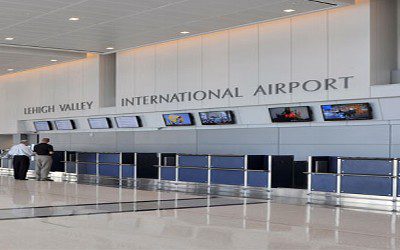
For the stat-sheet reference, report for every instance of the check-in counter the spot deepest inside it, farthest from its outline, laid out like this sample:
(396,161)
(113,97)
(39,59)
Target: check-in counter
(354,176)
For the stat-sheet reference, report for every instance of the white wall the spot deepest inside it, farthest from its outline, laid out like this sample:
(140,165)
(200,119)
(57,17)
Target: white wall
(327,44)
(64,83)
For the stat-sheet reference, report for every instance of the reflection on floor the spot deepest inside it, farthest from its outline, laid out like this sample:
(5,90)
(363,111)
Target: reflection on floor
(269,225)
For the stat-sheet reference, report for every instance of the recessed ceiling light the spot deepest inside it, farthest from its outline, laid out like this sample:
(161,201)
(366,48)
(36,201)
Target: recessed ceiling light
(74,19)
(289,10)
(10,69)
(185,32)
(110,48)
(9,38)
(54,60)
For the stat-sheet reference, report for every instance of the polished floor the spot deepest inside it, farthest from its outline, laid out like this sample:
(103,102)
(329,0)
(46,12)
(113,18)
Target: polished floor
(61,215)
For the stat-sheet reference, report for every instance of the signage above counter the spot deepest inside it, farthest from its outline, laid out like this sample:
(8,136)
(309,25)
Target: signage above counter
(308,86)
(66,107)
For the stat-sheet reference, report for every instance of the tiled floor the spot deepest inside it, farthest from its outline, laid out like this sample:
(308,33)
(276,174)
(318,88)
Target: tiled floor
(270,225)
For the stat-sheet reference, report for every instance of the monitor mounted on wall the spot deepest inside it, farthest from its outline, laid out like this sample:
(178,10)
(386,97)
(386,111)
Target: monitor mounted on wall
(65,124)
(347,112)
(217,118)
(291,114)
(128,121)
(42,126)
(99,123)
(178,119)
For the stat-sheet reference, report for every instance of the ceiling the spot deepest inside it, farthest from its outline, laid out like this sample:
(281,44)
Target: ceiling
(106,26)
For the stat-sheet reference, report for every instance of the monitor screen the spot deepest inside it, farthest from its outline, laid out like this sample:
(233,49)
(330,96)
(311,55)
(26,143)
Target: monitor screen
(291,114)
(65,124)
(340,112)
(99,123)
(42,125)
(180,119)
(217,118)
(128,121)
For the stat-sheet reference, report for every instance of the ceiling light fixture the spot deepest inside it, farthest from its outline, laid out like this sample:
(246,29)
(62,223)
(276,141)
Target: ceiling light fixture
(289,10)
(9,38)
(185,32)
(54,60)
(74,19)
(10,69)
(110,48)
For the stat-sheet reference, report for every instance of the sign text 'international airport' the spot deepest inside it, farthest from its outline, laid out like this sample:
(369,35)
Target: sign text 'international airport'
(261,90)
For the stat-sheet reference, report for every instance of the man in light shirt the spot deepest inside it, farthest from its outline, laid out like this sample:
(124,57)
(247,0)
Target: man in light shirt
(21,154)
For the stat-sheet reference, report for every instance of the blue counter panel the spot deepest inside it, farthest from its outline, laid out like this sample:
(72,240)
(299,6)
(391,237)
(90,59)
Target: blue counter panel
(109,170)
(398,188)
(257,179)
(193,160)
(227,177)
(128,171)
(378,167)
(71,168)
(84,168)
(227,162)
(109,158)
(193,175)
(323,183)
(367,185)
(87,157)
(168,174)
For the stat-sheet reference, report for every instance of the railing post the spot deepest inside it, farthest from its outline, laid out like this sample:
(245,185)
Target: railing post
(76,164)
(339,177)
(160,164)
(209,174)
(135,179)
(269,172)
(97,168)
(245,158)
(120,169)
(395,180)
(309,176)
(65,165)
(177,169)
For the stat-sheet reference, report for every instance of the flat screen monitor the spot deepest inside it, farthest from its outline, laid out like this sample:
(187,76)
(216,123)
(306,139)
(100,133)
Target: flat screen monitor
(99,123)
(128,121)
(178,119)
(65,124)
(42,125)
(346,112)
(217,118)
(291,114)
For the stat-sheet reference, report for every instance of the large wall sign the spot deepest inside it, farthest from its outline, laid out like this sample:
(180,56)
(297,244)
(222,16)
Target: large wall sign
(312,85)
(77,106)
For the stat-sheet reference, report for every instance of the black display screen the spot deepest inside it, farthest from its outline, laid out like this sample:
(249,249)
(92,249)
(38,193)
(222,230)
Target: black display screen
(99,123)
(340,112)
(291,114)
(65,124)
(217,118)
(42,125)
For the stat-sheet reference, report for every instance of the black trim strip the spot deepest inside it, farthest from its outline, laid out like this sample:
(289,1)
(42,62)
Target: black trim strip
(322,2)
(106,203)
(140,210)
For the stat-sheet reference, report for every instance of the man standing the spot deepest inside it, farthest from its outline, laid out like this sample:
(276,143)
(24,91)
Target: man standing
(44,160)
(21,161)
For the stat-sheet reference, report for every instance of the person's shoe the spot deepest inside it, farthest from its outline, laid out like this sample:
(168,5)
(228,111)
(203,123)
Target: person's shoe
(47,179)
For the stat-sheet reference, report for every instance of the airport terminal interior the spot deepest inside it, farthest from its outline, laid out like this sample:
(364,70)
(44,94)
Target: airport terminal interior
(200,124)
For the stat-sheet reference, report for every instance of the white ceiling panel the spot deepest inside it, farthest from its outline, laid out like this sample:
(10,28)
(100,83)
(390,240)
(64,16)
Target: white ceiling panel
(116,23)
(124,24)
(13,59)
